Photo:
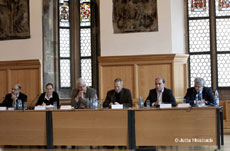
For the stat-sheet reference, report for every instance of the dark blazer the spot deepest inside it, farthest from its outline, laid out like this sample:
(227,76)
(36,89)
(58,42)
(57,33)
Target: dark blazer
(125,98)
(167,97)
(206,94)
(42,99)
(8,102)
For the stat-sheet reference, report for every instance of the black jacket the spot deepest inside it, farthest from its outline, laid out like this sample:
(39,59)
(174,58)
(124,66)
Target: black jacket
(42,99)
(206,94)
(125,98)
(8,102)
(167,97)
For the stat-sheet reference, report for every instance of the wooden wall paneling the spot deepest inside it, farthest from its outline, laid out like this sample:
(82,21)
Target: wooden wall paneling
(147,74)
(145,68)
(25,72)
(110,73)
(3,84)
(28,78)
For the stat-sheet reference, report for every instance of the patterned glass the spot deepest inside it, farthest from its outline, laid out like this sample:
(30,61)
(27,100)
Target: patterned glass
(203,13)
(64,43)
(85,14)
(223,70)
(64,13)
(65,80)
(223,34)
(85,42)
(222,7)
(86,71)
(200,66)
(199,35)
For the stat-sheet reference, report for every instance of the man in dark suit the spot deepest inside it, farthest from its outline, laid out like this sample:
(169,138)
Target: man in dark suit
(14,97)
(118,95)
(200,91)
(160,94)
(82,94)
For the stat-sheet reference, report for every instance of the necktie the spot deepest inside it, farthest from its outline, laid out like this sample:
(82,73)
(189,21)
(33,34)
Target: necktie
(199,96)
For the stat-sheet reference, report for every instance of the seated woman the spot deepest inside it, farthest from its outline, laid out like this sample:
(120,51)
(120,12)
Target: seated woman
(48,97)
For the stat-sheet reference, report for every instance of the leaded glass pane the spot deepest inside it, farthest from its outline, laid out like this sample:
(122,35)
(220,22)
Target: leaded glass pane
(192,13)
(223,34)
(85,14)
(86,71)
(85,42)
(65,79)
(223,70)
(199,35)
(222,7)
(64,43)
(200,66)
(64,14)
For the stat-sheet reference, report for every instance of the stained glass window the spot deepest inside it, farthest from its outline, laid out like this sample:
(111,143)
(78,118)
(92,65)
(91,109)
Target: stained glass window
(85,13)
(198,5)
(224,5)
(64,44)
(85,41)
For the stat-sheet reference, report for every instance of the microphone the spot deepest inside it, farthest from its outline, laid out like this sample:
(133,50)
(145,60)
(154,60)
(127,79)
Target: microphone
(31,107)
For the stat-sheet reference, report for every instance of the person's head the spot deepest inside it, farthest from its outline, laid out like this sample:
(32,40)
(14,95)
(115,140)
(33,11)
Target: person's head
(16,89)
(81,85)
(118,85)
(198,84)
(49,89)
(160,84)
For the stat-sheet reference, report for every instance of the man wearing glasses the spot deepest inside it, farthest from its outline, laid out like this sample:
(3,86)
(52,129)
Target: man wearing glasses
(14,97)
(82,95)
(200,91)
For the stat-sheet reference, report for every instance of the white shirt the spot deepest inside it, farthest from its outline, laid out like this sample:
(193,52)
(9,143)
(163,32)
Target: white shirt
(46,97)
(159,96)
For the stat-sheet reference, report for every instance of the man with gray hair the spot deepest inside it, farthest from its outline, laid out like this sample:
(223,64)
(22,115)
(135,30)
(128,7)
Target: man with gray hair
(15,97)
(82,94)
(201,91)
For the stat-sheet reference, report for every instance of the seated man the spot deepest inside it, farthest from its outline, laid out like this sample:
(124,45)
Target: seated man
(15,98)
(200,90)
(48,97)
(118,95)
(82,94)
(160,94)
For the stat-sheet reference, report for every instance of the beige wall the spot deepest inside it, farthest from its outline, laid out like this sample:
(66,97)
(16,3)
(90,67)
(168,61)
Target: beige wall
(169,38)
(26,48)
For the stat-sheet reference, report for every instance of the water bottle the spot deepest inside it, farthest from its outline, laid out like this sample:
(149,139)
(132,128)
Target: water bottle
(141,103)
(19,104)
(90,103)
(15,105)
(55,105)
(216,98)
(95,104)
(24,105)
